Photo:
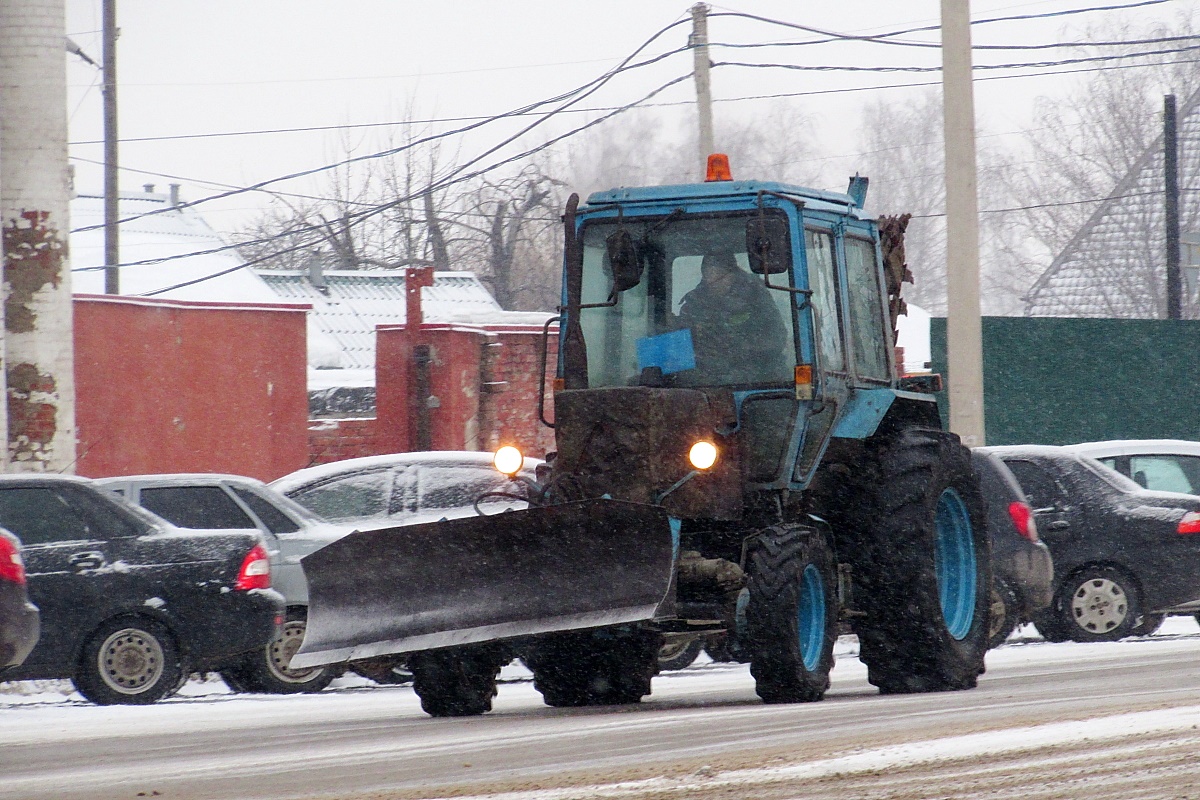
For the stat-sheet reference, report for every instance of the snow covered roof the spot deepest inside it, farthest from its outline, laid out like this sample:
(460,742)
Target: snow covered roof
(158,228)
(1115,265)
(351,303)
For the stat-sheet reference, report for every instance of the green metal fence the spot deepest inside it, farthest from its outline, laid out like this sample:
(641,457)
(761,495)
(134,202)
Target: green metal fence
(1059,381)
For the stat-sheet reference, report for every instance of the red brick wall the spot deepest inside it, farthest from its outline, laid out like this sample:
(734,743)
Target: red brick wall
(171,386)
(484,380)
(338,439)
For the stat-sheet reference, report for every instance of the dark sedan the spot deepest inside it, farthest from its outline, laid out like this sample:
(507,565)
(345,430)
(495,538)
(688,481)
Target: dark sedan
(1022,569)
(1120,552)
(18,616)
(130,604)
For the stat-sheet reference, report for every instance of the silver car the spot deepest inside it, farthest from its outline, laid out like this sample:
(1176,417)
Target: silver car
(204,501)
(406,488)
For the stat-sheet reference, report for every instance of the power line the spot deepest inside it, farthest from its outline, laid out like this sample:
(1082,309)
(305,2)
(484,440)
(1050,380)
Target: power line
(1025,65)
(1047,205)
(577,93)
(938,46)
(925,28)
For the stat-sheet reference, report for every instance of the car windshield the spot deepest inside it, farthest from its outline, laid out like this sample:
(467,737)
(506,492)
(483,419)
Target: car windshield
(697,317)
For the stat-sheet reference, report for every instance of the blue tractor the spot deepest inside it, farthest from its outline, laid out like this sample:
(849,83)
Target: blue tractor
(736,455)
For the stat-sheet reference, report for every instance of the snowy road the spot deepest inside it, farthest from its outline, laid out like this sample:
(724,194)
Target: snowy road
(1065,720)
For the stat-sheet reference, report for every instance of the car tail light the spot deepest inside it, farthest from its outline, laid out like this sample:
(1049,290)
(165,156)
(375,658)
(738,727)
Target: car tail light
(256,570)
(1022,517)
(1190,523)
(12,568)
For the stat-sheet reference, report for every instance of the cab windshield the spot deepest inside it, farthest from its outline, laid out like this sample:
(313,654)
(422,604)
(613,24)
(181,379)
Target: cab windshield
(697,317)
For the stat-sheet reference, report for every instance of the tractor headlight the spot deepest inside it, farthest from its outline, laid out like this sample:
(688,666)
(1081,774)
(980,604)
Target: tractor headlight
(508,460)
(703,455)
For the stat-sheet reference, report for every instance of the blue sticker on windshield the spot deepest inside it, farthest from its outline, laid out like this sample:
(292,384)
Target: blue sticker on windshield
(671,352)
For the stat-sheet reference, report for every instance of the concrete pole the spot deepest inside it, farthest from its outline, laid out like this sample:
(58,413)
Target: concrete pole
(703,86)
(34,196)
(112,197)
(964,339)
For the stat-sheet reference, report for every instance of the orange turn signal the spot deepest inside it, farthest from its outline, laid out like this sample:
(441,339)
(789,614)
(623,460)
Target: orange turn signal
(718,168)
(804,380)
(559,384)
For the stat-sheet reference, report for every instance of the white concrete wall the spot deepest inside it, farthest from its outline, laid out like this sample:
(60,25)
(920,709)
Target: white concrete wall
(38,350)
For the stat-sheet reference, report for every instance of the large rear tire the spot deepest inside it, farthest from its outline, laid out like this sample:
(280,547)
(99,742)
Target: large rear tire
(594,668)
(926,572)
(457,681)
(792,615)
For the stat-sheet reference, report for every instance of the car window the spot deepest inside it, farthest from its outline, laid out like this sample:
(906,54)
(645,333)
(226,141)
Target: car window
(355,496)
(41,515)
(276,521)
(195,507)
(458,487)
(1166,473)
(1038,483)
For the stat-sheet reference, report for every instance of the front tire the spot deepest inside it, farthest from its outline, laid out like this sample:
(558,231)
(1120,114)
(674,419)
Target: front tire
(792,615)
(594,668)
(927,571)
(130,662)
(457,681)
(1098,604)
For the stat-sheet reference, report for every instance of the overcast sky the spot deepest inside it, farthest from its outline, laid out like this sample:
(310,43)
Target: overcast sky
(189,68)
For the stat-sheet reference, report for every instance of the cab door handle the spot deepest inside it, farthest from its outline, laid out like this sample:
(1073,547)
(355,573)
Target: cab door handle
(1058,525)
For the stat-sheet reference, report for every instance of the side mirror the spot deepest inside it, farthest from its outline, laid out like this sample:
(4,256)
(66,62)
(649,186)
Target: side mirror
(623,260)
(767,245)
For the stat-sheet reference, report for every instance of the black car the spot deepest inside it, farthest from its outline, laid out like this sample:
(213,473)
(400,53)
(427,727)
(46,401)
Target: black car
(130,604)
(18,617)
(1123,555)
(1022,569)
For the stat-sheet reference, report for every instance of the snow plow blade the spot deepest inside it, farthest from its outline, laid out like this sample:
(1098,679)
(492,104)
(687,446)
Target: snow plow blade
(478,579)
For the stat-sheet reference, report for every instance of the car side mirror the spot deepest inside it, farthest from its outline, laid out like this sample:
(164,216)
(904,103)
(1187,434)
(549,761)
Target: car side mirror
(623,260)
(767,245)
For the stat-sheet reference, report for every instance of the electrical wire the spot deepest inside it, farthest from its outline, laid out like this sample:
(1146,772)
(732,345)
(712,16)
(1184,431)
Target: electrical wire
(582,91)
(938,46)
(1025,65)
(1037,206)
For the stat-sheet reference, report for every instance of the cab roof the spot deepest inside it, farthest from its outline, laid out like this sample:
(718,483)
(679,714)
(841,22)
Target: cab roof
(817,199)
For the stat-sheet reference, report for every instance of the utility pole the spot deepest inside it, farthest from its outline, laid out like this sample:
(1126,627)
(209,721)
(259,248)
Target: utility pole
(112,251)
(699,45)
(964,336)
(1171,205)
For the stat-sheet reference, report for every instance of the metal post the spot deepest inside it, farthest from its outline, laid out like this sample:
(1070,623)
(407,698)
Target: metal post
(1171,205)
(964,338)
(112,255)
(703,86)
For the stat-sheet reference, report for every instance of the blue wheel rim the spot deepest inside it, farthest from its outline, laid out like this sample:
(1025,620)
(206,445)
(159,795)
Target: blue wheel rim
(954,563)
(810,617)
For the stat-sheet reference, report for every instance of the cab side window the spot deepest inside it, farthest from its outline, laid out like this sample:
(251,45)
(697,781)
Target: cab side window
(868,337)
(822,279)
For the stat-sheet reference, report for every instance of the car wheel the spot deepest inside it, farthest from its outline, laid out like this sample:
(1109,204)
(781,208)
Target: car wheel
(1003,617)
(267,670)
(1099,604)
(679,653)
(130,662)
(1149,625)
(385,670)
